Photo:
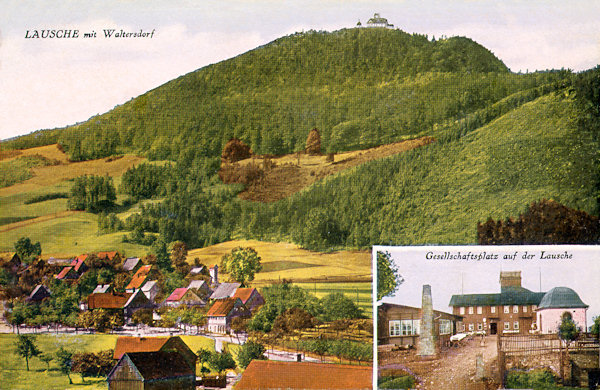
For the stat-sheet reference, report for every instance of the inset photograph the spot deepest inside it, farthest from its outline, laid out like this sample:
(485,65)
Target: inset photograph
(488,317)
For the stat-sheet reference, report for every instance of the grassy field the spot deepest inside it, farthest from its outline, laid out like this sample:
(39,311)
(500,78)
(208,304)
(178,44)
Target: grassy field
(359,292)
(13,373)
(289,261)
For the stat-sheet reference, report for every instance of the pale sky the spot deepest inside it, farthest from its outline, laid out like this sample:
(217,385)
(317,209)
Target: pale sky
(47,83)
(448,277)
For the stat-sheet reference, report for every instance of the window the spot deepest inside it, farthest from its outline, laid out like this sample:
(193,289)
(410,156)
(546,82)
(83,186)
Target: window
(445,327)
(533,307)
(516,325)
(404,327)
(470,309)
(479,310)
(506,309)
(493,309)
(462,310)
(524,309)
(462,327)
(471,327)
(515,309)
(507,326)
(479,327)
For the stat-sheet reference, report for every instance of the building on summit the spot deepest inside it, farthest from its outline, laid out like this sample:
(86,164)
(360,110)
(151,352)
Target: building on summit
(558,303)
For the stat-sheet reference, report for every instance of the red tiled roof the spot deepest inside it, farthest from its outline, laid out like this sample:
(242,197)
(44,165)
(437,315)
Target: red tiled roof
(177,294)
(63,273)
(244,294)
(138,344)
(77,263)
(79,258)
(222,307)
(107,300)
(267,374)
(139,278)
(106,255)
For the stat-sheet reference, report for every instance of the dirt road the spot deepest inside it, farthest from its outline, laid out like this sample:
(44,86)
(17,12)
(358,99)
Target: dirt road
(454,369)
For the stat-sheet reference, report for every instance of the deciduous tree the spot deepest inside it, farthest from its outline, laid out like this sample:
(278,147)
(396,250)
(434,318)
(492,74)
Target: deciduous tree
(26,348)
(242,264)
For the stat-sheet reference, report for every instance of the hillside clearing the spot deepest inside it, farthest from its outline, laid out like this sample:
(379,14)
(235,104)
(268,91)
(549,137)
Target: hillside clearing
(285,175)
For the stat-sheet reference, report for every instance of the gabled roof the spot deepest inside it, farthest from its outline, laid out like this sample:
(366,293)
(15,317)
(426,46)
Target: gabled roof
(80,257)
(157,365)
(126,344)
(139,278)
(561,298)
(148,285)
(101,288)
(511,295)
(107,255)
(197,284)
(196,270)
(134,295)
(130,263)
(77,263)
(225,290)
(268,374)
(244,294)
(39,292)
(108,301)
(63,274)
(177,294)
(222,307)
(55,261)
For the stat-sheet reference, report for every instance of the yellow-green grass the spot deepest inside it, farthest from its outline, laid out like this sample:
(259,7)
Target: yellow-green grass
(289,261)
(13,205)
(67,233)
(13,373)
(359,292)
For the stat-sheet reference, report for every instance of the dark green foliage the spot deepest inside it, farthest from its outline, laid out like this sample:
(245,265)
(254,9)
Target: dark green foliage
(342,349)
(388,278)
(279,298)
(93,364)
(534,379)
(44,197)
(221,361)
(401,382)
(337,306)
(26,348)
(567,330)
(109,223)
(92,193)
(65,362)
(596,327)
(27,250)
(241,264)
(544,222)
(250,351)
(147,181)
(291,320)
(163,260)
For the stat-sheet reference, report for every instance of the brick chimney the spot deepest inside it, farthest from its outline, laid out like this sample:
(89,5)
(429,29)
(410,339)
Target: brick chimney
(510,279)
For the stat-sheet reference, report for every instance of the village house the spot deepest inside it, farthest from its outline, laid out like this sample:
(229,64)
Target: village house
(152,371)
(112,256)
(221,313)
(225,290)
(102,288)
(127,344)
(512,311)
(59,262)
(183,296)
(38,294)
(268,374)
(197,270)
(401,325)
(79,265)
(151,290)
(250,297)
(132,264)
(67,273)
(200,287)
(139,278)
(127,303)
(558,303)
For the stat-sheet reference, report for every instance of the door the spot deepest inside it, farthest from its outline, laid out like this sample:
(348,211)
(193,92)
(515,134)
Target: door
(493,328)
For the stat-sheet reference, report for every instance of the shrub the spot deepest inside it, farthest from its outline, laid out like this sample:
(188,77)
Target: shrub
(402,382)
(235,150)
(313,142)
(534,379)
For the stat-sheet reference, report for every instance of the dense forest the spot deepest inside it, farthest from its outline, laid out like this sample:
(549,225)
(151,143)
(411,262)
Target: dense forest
(503,141)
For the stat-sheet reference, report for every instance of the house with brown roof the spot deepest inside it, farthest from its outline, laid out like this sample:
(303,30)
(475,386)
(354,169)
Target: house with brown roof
(221,313)
(127,344)
(79,265)
(183,296)
(250,297)
(151,370)
(112,256)
(139,278)
(128,303)
(268,374)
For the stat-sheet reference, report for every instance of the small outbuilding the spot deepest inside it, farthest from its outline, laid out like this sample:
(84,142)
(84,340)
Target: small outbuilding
(558,303)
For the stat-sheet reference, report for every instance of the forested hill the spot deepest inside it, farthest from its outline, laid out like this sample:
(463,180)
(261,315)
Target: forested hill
(387,83)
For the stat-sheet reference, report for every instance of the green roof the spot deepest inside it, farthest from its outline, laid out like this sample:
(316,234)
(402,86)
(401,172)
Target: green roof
(561,297)
(508,296)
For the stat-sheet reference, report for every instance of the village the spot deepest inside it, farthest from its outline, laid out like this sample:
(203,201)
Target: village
(188,332)
(513,339)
